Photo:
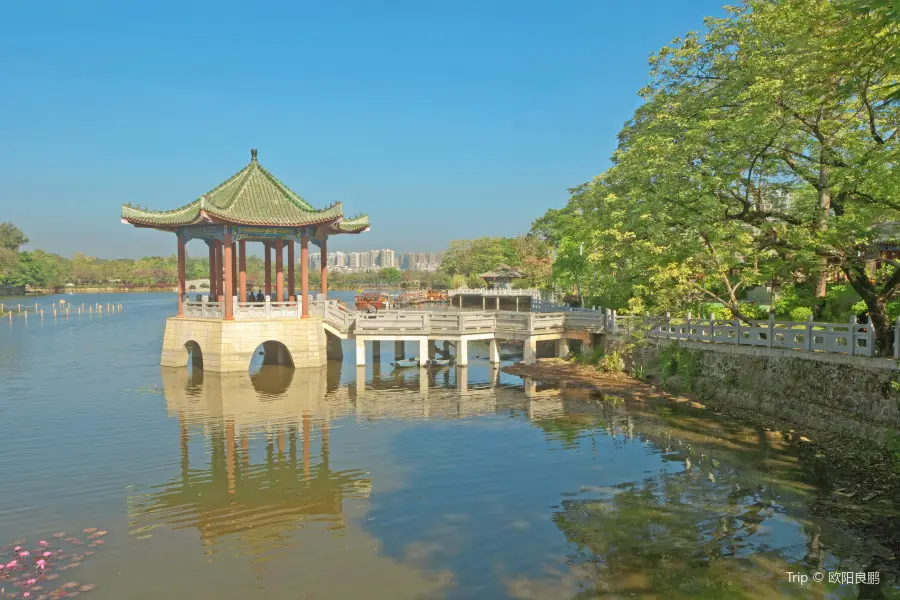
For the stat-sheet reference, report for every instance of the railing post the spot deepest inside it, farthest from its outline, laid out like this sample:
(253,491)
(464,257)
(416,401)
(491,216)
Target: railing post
(870,335)
(268,309)
(897,338)
(771,329)
(426,323)
(737,327)
(808,335)
(529,322)
(668,325)
(611,316)
(462,322)
(689,325)
(852,336)
(236,309)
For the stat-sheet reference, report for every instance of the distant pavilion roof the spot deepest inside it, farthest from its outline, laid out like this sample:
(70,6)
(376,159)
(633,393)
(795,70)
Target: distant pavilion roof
(502,271)
(252,196)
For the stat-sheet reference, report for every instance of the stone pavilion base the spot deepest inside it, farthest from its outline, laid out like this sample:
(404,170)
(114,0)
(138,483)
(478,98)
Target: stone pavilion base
(228,346)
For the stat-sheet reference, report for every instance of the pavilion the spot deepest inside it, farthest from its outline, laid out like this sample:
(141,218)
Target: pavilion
(253,206)
(501,277)
(223,330)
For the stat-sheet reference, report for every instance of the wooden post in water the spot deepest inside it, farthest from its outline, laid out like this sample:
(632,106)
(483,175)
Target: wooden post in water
(42,314)
(26,316)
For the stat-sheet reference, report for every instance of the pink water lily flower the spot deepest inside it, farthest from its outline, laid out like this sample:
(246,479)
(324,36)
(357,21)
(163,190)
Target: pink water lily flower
(47,554)
(31,581)
(42,542)
(41,563)
(17,548)
(11,564)
(26,594)
(24,553)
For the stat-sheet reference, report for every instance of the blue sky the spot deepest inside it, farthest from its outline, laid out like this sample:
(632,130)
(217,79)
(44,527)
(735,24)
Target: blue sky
(442,120)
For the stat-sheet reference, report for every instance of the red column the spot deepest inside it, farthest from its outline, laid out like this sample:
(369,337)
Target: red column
(234,271)
(268,269)
(242,267)
(290,261)
(228,287)
(324,266)
(181,276)
(213,280)
(304,274)
(279,269)
(220,272)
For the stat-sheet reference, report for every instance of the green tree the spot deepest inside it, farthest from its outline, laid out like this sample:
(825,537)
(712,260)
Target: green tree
(391,275)
(11,237)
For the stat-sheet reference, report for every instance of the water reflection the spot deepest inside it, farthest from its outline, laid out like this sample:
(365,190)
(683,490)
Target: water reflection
(261,496)
(454,494)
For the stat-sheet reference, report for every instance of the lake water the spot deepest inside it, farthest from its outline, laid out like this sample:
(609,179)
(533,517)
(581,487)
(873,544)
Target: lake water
(341,484)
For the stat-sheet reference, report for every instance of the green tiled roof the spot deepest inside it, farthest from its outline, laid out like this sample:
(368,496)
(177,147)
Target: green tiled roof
(252,196)
(354,225)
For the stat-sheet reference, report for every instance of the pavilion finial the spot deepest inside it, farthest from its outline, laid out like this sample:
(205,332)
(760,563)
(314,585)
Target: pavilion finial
(253,154)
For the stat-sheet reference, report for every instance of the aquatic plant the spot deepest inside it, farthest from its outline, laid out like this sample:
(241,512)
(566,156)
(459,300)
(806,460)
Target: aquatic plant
(27,572)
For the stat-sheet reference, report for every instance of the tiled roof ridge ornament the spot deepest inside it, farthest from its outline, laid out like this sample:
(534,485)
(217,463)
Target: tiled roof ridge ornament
(253,155)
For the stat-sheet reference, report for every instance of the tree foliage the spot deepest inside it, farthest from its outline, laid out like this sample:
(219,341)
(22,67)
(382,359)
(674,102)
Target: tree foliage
(469,258)
(765,149)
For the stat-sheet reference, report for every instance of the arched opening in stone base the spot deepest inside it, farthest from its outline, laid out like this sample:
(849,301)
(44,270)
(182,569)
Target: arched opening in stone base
(270,354)
(195,355)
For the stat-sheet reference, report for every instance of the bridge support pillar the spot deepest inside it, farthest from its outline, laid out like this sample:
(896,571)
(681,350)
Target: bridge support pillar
(360,379)
(530,354)
(432,348)
(360,353)
(423,351)
(494,351)
(462,352)
(399,350)
(376,351)
(462,378)
(562,347)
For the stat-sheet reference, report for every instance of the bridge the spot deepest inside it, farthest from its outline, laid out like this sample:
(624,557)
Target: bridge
(426,328)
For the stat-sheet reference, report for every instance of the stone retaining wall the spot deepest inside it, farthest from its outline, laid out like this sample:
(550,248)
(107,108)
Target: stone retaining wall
(827,392)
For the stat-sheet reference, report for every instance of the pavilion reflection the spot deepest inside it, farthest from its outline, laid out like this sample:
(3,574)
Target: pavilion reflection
(251,496)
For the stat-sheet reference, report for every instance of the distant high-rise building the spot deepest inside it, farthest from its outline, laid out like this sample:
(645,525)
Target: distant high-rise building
(365,260)
(353,260)
(374,256)
(421,258)
(387,258)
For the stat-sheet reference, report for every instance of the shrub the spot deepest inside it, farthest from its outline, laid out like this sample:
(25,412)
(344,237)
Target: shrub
(800,313)
(793,297)
(754,312)
(612,363)
(723,314)
(592,357)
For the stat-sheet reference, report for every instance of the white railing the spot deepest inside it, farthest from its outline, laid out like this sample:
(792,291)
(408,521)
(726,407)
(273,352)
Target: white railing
(810,336)
(807,336)
(535,294)
(203,310)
